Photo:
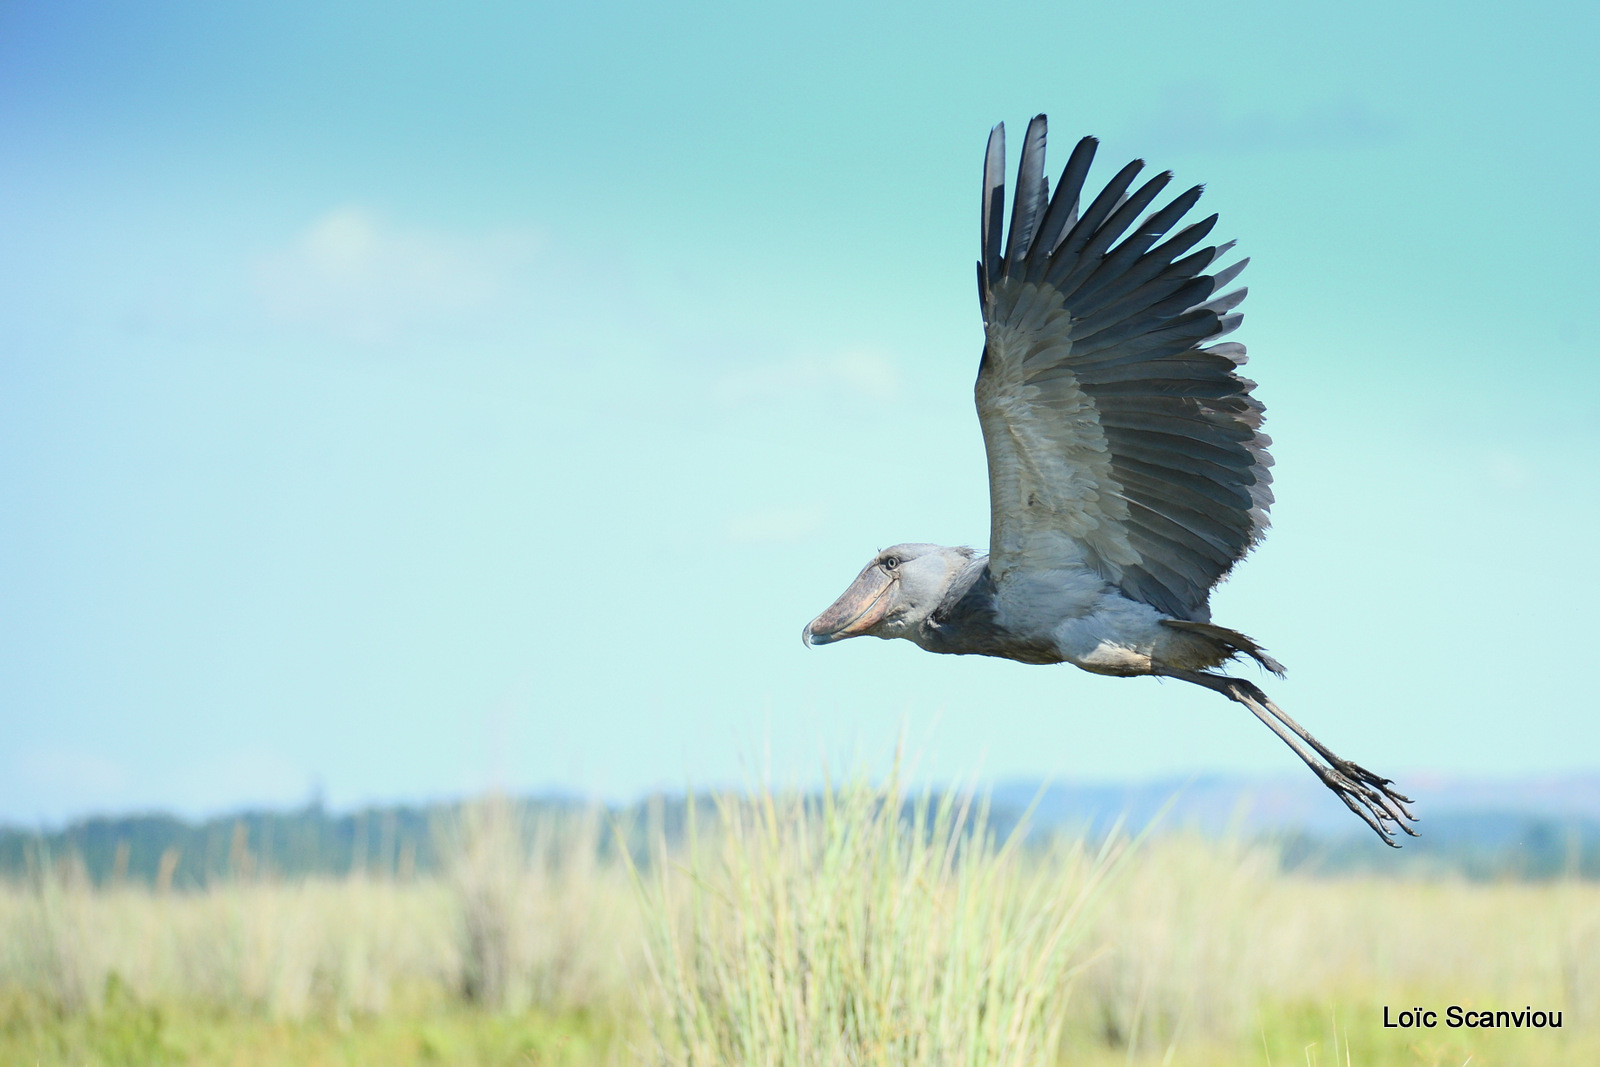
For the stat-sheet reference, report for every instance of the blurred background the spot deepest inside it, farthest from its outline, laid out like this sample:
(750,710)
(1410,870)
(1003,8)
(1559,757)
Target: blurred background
(401,400)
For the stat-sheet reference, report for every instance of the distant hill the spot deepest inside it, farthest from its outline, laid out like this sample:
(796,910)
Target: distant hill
(1530,828)
(1297,802)
(1533,828)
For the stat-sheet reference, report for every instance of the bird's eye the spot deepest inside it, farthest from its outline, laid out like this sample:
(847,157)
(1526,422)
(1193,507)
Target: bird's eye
(891,562)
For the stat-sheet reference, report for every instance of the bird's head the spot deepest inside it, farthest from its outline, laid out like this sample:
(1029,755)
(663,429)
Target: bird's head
(892,595)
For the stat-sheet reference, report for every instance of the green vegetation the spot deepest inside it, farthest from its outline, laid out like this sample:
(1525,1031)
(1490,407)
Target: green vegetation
(124,1031)
(853,928)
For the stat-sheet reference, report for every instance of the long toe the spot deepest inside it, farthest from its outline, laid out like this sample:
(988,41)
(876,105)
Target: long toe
(1366,803)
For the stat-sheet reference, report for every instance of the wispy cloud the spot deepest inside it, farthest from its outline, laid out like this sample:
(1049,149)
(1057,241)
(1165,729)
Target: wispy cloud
(359,277)
(1192,116)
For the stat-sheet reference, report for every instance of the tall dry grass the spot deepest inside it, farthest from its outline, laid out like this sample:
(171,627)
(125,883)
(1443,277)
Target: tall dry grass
(524,915)
(543,917)
(1201,935)
(347,946)
(817,932)
(842,932)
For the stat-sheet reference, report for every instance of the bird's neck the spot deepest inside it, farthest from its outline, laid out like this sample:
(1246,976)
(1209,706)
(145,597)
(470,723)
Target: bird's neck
(966,622)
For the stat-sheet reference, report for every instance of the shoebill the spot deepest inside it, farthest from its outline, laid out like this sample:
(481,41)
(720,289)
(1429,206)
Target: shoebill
(1127,468)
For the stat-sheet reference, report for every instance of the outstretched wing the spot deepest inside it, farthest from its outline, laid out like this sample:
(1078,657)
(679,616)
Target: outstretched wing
(1114,438)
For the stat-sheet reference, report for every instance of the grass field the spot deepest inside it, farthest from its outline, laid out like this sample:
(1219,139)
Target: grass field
(856,929)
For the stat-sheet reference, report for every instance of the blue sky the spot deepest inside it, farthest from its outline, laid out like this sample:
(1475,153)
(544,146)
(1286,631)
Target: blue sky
(410,399)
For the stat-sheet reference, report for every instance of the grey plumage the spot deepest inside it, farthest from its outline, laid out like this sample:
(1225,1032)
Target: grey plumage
(1223,277)
(1128,470)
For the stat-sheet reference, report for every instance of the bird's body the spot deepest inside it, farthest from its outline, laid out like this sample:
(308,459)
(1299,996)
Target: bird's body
(1127,468)
(1067,615)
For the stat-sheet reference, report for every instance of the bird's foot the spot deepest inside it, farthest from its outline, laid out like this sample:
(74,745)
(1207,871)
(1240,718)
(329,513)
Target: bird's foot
(1372,798)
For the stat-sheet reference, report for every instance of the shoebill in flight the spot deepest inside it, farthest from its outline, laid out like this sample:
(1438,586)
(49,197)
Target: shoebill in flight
(1127,468)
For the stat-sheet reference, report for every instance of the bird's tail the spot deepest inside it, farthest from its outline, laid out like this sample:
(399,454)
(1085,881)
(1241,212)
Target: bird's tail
(1236,643)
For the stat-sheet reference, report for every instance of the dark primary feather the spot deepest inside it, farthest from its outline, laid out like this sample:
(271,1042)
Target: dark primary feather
(1131,252)
(1089,257)
(1065,256)
(1028,204)
(994,203)
(1181,428)
(1063,210)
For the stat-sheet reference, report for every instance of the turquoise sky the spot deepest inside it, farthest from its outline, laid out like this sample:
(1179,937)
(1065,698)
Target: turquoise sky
(409,398)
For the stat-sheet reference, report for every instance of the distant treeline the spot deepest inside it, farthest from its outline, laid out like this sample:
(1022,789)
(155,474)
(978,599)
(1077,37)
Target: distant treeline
(162,850)
(1482,846)
(401,842)
(405,842)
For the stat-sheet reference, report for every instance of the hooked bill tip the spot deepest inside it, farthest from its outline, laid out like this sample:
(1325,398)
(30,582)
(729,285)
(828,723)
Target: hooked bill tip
(811,638)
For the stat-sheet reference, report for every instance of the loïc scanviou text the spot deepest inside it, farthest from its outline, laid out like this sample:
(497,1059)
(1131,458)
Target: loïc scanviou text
(1455,1017)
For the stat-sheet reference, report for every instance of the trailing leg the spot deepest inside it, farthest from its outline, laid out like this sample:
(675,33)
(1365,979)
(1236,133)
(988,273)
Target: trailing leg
(1365,793)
